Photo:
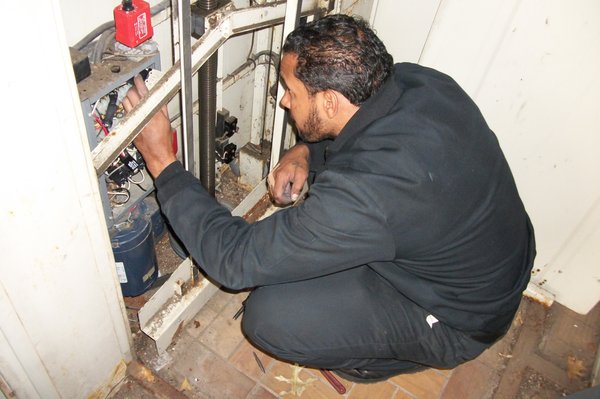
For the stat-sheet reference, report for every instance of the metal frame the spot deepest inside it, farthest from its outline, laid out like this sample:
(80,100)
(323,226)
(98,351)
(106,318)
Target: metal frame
(185,44)
(222,25)
(92,89)
(172,305)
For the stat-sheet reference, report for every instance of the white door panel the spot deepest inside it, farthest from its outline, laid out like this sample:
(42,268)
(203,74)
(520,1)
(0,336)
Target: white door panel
(532,67)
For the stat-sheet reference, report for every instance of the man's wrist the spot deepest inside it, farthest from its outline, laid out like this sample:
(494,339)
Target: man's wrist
(303,149)
(157,167)
(168,173)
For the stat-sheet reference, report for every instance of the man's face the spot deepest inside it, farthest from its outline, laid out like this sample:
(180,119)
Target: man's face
(303,107)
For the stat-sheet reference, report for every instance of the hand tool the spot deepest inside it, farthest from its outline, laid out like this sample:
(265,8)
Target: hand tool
(338,386)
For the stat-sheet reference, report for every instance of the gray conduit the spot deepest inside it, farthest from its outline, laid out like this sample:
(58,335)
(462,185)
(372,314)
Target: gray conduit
(207,94)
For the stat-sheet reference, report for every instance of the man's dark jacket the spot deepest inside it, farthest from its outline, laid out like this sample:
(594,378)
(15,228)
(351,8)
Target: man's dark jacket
(415,186)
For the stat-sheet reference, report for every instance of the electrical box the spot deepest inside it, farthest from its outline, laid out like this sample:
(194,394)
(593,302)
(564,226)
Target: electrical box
(126,182)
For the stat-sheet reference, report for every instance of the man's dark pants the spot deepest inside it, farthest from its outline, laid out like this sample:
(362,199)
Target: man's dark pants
(351,319)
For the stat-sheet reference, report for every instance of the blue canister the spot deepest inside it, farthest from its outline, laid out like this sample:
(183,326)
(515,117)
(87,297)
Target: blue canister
(152,212)
(133,247)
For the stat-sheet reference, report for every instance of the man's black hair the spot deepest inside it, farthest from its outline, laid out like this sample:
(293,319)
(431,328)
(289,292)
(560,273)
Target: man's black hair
(341,53)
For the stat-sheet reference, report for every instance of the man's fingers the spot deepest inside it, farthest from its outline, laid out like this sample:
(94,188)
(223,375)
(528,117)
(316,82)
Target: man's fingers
(140,85)
(271,181)
(296,189)
(165,111)
(141,90)
(277,184)
(288,177)
(133,97)
(127,104)
(287,192)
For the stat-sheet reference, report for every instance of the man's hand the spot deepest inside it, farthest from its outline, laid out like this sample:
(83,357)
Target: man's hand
(289,175)
(155,142)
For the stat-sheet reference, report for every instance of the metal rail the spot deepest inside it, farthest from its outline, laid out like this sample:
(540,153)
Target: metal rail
(185,58)
(222,25)
(292,15)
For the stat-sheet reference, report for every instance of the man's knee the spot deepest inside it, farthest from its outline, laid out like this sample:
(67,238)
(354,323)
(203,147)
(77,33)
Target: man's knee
(270,323)
(260,323)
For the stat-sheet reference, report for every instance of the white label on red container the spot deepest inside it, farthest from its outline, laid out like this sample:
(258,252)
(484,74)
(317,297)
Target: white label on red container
(141,26)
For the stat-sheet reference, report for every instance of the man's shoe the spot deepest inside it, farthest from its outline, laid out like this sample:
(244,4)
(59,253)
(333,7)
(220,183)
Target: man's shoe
(362,376)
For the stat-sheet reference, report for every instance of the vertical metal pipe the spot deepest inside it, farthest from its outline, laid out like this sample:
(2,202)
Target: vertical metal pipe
(292,16)
(185,58)
(207,98)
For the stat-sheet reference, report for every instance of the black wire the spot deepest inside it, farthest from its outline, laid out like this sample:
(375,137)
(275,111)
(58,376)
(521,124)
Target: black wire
(139,185)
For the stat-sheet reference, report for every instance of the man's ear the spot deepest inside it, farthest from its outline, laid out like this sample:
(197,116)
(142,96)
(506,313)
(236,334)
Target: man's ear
(331,103)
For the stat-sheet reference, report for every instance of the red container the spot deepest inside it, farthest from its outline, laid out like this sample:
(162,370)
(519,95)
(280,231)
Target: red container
(133,22)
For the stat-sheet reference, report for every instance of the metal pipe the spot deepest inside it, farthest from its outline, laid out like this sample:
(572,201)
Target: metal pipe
(207,97)
(337,8)
(292,15)
(185,57)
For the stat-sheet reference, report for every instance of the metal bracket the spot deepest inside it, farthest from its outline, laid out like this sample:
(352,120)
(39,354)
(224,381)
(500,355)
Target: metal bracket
(181,297)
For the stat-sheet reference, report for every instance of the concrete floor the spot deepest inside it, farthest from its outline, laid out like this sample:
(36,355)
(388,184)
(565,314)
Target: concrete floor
(548,353)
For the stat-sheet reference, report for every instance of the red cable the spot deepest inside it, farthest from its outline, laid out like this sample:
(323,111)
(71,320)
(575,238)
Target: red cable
(98,121)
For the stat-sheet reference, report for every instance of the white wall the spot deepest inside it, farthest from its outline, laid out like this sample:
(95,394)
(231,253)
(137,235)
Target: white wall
(532,67)
(63,330)
(403,26)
